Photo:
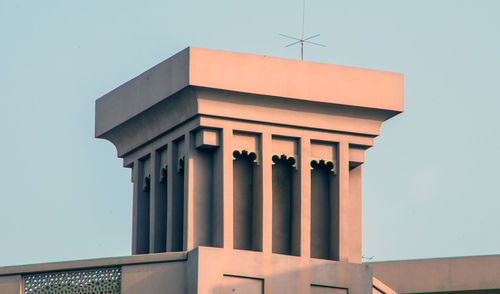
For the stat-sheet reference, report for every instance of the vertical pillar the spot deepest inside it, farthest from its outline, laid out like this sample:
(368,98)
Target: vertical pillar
(257,199)
(170,195)
(305,209)
(343,201)
(206,176)
(141,213)
(135,202)
(188,193)
(152,204)
(267,200)
(218,191)
(355,250)
(267,192)
(227,184)
(305,197)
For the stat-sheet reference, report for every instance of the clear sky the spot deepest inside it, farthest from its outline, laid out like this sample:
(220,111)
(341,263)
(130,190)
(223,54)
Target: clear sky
(430,182)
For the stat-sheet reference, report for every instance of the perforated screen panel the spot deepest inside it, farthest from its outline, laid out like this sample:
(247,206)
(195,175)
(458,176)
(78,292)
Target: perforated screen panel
(95,281)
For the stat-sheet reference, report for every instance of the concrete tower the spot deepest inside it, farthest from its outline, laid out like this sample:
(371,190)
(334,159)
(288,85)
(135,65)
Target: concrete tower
(253,165)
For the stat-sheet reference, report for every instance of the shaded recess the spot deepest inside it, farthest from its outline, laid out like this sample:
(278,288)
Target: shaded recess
(322,204)
(160,203)
(247,204)
(203,201)
(286,206)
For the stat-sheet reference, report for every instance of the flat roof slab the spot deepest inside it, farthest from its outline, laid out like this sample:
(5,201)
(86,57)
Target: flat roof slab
(249,73)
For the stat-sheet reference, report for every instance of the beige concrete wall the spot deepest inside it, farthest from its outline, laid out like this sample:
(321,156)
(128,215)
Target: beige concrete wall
(440,274)
(11,284)
(381,288)
(221,271)
(165,277)
(151,273)
(208,270)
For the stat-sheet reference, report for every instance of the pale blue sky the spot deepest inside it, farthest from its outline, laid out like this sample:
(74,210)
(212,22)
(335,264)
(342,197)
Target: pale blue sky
(430,182)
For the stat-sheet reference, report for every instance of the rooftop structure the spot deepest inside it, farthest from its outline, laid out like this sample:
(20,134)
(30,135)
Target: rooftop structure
(247,175)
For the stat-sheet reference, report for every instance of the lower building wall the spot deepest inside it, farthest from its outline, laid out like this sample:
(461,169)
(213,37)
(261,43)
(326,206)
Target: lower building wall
(240,271)
(165,277)
(204,270)
(10,284)
(470,274)
(145,274)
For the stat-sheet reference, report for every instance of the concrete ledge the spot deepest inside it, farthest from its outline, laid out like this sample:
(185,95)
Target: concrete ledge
(291,78)
(440,274)
(93,263)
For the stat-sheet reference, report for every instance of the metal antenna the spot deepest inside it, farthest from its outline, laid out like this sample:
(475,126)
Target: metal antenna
(302,40)
(303,16)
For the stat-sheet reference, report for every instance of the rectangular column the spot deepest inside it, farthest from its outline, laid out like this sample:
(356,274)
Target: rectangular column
(153,247)
(343,201)
(227,184)
(178,199)
(141,210)
(188,193)
(170,195)
(305,197)
(267,192)
(135,202)
(355,218)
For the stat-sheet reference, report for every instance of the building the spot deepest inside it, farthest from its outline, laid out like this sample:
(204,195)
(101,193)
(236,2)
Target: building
(247,178)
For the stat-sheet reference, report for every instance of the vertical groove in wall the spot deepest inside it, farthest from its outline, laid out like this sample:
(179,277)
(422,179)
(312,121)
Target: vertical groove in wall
(160,195)
(320,213)
(242,203)
(203,175)
(285,214)
(246,203)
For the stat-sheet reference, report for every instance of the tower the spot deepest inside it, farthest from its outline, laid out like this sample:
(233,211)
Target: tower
(247,179)
(252,165)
